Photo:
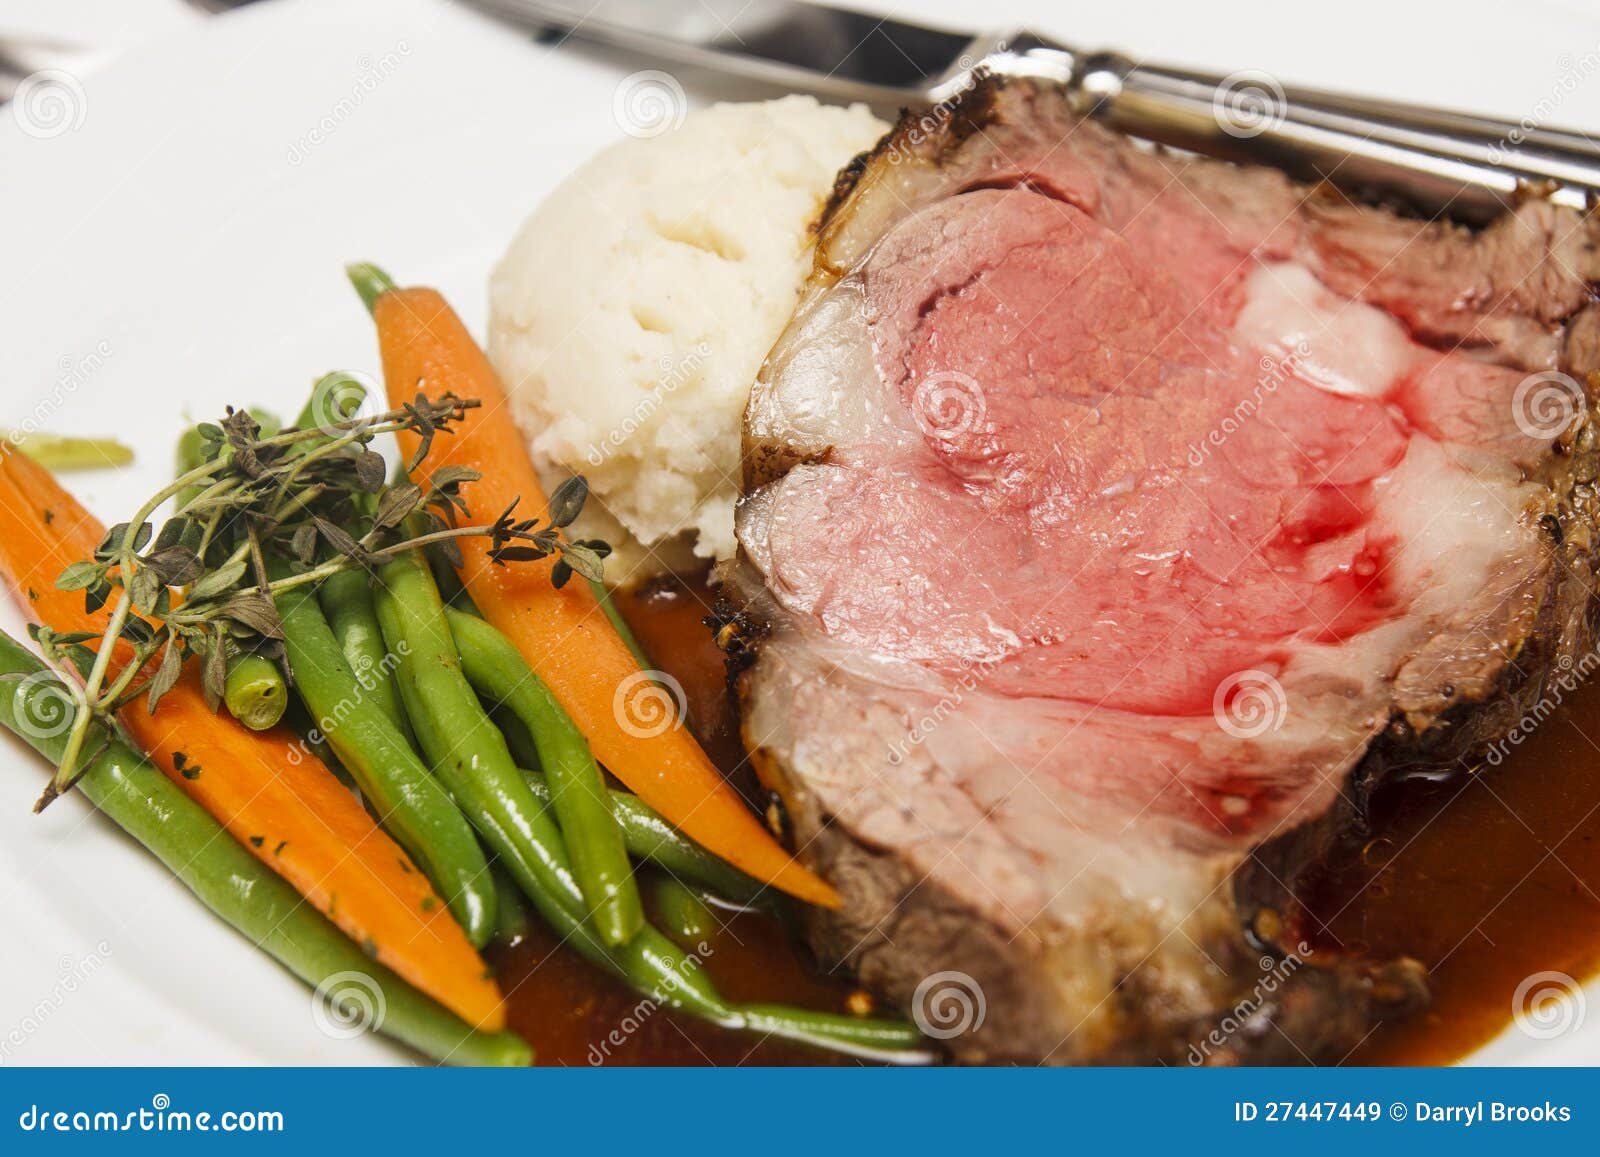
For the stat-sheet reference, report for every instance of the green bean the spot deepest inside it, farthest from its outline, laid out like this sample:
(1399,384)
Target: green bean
(58,452)
(192,447)
(686,916)
(335,397)
(451,589)
(650,837)
(346,599)
(654,966)
(511,922)
(255,691)
(299,720)
(602,594)
(191,453)
(230,881)
(519,741)
(497,671)
(371,282)
(407,800)
(470,756)
(868,1037)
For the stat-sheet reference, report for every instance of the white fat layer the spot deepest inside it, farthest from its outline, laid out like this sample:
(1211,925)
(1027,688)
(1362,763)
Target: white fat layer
(1342,346)
(1451,527)
(820,388)
(810,395)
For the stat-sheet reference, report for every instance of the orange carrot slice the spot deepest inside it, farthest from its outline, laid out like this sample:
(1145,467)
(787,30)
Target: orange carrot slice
(270,793)
(563,634)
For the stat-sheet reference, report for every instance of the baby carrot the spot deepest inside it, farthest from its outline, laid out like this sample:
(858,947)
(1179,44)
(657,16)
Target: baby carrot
(563,634)
(238,888)
(270,793)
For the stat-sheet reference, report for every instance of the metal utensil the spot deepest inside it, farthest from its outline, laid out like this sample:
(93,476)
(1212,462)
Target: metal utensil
(1469,166)
(23,57)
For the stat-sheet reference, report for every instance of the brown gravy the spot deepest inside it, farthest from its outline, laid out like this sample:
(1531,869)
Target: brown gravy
(1485,876)
(572,1013)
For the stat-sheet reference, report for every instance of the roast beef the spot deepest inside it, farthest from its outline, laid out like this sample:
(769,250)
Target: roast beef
(1108,515)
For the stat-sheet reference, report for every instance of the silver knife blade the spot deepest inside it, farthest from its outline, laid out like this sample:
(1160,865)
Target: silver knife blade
(1471,166)
(848,55)
(24,57)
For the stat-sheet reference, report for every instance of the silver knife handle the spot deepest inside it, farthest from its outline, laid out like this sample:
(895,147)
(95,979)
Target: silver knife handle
(1469,166)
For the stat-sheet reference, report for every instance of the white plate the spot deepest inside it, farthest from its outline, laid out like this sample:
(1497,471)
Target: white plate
(179,246)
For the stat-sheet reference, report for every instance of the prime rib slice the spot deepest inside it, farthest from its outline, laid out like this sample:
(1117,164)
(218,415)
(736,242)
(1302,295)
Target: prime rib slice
(1107,512)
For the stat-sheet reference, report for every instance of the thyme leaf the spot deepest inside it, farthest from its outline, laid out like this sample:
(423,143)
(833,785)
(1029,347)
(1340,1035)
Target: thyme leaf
(257,514)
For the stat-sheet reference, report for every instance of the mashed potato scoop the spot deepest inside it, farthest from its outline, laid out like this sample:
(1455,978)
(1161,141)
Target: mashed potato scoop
(633,310)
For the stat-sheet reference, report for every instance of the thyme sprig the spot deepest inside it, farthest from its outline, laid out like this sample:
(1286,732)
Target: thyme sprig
(314,499)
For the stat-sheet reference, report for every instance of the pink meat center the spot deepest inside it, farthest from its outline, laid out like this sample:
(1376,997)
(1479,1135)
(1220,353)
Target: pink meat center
(1132,479)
